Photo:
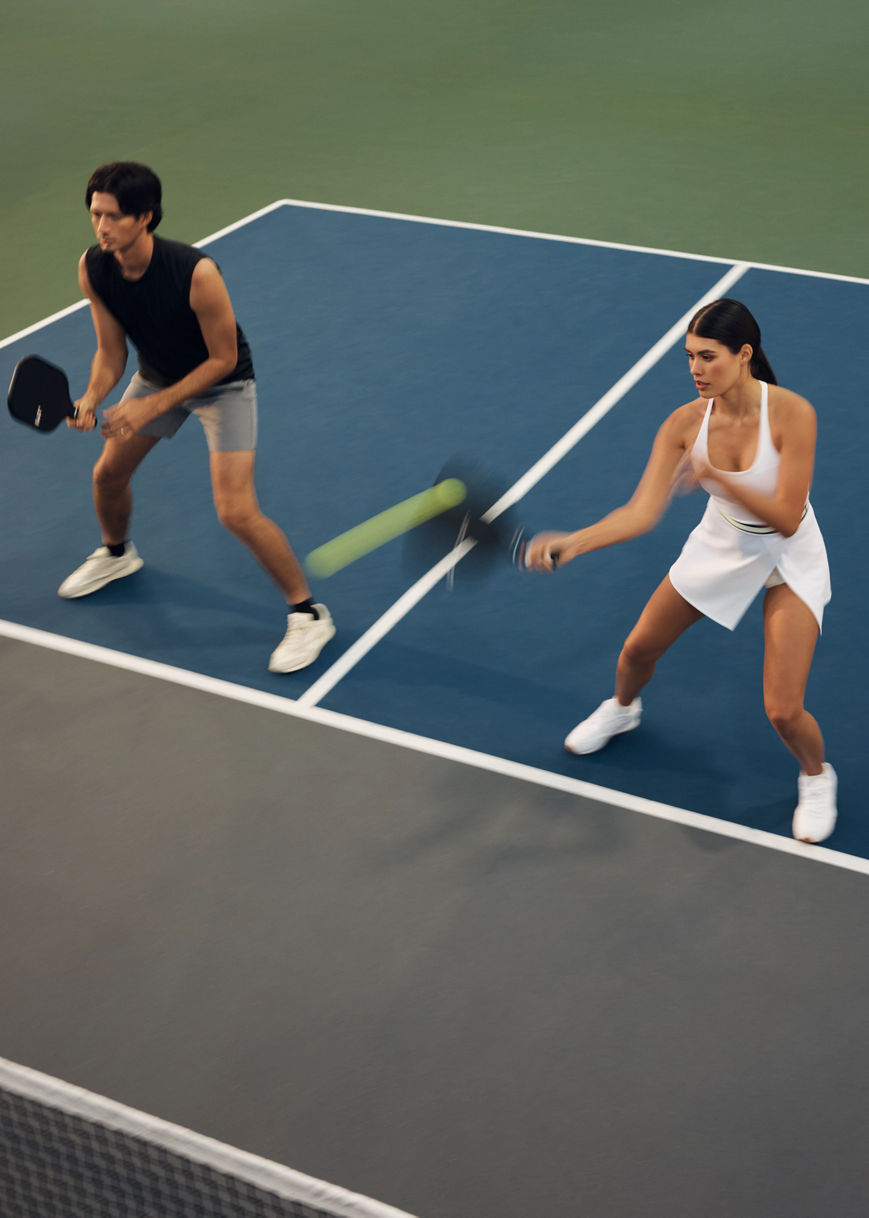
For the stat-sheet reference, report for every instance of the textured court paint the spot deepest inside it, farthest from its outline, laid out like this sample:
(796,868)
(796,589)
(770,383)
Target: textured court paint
(433,748)
(461,993)
(489,322)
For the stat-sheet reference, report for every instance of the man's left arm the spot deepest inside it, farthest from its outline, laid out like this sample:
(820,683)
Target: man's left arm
(209,300)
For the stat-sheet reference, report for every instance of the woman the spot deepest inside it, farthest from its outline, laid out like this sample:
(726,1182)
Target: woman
(751,445)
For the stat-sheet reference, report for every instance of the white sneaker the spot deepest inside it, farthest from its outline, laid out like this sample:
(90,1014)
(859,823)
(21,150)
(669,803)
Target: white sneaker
(607,721)
(305,638)
(815,814)
(98,570)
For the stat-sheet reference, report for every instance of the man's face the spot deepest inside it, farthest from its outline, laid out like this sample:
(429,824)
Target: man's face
(116,232)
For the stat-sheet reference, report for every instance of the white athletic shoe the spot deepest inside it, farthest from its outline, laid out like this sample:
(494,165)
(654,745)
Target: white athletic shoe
(305,638)
(815,814)
(98,570)
(607,721)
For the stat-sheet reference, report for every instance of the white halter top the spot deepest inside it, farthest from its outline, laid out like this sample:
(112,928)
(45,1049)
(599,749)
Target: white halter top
(761,475)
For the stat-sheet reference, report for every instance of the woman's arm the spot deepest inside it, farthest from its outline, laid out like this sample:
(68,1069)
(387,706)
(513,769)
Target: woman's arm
(642,511)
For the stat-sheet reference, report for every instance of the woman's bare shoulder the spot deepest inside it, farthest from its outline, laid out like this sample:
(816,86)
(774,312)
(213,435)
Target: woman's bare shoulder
(785,400)
(787,407)
(683,423)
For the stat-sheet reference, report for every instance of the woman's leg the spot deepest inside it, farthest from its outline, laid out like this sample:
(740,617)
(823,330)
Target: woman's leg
(790,635)
(666,616)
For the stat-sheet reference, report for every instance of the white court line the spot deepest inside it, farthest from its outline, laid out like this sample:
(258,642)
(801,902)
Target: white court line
(350,658)
(433,748)
(42,325)
(82,304)
(538,236)
(411,597)
(376,632)
(482,228)
(263,1174)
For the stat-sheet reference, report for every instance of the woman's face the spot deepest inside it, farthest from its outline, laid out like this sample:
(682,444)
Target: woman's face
(714,367)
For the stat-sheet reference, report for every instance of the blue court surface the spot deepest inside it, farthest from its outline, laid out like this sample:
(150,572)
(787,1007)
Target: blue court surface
(382,347)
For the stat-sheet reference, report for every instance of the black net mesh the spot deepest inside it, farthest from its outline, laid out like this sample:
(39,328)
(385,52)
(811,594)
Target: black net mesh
(57,1164)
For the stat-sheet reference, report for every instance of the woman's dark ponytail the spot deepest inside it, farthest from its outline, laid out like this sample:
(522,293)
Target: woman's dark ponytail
(729,322)
(760,367)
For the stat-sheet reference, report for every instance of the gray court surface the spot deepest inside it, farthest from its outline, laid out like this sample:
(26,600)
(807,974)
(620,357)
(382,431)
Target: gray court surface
(460,993)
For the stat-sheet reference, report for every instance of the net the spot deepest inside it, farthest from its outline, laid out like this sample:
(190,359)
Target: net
(67,1153)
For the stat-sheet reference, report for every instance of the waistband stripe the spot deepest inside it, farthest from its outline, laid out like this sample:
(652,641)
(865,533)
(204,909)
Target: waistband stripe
(744,527)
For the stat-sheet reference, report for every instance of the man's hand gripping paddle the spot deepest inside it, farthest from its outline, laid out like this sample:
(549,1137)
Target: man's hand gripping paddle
(39,394)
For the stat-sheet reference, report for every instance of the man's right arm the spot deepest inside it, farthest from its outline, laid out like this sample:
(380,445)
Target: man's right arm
(109,361)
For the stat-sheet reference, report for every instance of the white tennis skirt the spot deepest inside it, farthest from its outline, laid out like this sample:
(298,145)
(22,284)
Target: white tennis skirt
(722,568)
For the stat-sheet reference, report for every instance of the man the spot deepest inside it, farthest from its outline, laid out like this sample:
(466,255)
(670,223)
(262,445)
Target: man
(171,301)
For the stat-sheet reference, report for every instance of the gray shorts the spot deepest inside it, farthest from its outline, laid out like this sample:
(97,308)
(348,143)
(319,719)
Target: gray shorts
(226,412)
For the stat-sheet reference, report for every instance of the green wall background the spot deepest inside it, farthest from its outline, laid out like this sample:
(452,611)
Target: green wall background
(737,130)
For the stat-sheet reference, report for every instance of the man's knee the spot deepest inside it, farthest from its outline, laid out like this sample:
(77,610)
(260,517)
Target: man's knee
(110,479)
(235,514)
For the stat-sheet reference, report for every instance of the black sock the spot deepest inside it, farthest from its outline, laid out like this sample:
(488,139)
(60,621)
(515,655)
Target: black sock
(117,549)
(307,606)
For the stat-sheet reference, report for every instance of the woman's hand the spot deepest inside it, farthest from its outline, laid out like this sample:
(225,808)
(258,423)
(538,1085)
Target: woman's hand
(546,551)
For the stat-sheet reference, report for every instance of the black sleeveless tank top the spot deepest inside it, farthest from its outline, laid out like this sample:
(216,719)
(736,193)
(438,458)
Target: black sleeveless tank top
(155,312)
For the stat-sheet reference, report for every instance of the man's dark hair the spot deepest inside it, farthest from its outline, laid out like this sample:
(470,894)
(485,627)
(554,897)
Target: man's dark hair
(136,187)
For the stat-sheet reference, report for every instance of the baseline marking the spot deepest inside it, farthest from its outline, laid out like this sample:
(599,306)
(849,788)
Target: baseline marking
(598,244)
(433,748)
(483,228)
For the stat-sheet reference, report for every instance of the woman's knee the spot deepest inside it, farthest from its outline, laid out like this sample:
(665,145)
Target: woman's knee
(640,650)
(783,713)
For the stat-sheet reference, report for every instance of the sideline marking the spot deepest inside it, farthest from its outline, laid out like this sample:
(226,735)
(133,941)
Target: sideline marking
(433,748)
